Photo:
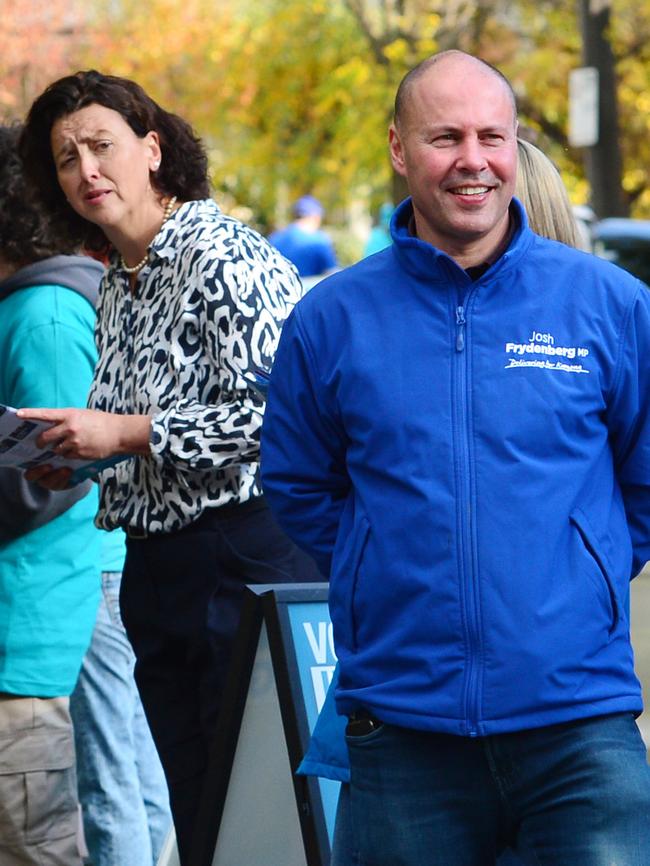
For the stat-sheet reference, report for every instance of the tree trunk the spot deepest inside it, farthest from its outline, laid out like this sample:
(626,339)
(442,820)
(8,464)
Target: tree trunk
(603,160)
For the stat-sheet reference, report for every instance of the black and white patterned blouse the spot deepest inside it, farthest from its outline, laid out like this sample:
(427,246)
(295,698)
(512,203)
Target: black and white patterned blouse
(207,310)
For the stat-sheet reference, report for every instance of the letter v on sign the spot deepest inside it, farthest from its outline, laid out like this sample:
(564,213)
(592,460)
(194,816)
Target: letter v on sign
(318,646)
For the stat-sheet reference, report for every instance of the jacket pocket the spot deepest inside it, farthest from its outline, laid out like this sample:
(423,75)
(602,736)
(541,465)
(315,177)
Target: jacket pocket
(346,571)
(590,541)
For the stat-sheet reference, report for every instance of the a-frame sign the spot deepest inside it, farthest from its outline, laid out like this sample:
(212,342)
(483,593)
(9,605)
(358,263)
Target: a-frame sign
(256,811)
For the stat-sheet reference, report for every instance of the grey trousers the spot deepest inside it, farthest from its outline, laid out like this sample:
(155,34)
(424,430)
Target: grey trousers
(38,789)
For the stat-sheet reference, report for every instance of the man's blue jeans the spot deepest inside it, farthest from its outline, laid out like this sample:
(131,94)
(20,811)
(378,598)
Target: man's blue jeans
(576,794)
(122,788)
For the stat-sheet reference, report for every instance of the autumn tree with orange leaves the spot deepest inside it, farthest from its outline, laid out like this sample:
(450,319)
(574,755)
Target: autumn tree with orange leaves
(41,40)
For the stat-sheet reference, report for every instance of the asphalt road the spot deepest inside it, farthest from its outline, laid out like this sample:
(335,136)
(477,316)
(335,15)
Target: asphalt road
(640,616)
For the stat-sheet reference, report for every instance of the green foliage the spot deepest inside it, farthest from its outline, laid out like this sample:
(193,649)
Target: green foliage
(315,112)
(631,42)
(294,96)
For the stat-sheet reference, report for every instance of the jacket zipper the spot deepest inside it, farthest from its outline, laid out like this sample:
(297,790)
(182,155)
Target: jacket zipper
(468,575)
(460,329)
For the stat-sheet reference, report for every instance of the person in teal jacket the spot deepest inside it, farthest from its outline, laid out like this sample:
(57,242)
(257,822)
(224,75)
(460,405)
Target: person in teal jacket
(49,547)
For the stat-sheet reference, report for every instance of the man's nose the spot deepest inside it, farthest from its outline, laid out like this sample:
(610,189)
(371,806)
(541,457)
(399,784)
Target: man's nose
(471,155)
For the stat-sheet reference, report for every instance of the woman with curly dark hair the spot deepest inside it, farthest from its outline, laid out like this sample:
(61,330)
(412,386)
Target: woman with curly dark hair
(192,302)
(179,170)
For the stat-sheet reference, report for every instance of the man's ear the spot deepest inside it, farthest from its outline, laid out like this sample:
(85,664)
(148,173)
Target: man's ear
(396,151)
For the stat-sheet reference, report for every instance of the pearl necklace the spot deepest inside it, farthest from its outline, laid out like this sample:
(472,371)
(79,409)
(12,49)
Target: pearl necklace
(169,207)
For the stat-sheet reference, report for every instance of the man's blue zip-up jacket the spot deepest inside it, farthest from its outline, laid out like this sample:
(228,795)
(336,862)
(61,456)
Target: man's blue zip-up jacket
(469,462)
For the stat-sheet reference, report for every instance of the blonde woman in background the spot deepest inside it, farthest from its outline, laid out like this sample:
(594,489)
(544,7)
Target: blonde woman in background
(541,190)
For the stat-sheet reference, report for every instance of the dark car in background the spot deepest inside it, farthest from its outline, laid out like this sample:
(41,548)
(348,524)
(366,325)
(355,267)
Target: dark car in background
(626,242)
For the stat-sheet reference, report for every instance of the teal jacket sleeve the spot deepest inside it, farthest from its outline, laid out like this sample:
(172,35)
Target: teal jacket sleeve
(25,506)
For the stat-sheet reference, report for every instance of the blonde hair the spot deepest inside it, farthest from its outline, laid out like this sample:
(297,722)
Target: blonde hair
(542,192)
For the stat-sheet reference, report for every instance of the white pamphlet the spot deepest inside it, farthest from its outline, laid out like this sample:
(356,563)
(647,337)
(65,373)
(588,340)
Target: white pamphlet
(18,448)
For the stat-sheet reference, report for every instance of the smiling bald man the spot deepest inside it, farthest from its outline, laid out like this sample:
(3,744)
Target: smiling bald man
(458,430)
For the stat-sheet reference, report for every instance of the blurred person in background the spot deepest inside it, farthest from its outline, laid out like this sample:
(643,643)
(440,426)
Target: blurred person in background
(192,303)
(542,192)
(49,547)
(305,244)
(379,237)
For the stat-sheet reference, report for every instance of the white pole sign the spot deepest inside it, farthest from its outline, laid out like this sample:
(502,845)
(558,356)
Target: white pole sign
(583,107)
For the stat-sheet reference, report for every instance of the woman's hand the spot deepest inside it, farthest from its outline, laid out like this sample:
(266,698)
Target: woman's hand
(88,434)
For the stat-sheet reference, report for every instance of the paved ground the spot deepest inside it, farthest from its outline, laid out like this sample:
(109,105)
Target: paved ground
(640,615)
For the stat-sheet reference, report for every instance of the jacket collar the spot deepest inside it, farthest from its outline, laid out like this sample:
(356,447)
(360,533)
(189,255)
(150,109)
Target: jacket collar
(426,261)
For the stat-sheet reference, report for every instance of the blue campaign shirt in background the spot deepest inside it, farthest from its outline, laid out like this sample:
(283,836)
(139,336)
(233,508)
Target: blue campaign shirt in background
(311,252)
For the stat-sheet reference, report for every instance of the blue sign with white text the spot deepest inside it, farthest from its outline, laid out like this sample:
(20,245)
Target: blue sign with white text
(313,641)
